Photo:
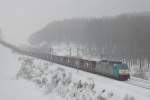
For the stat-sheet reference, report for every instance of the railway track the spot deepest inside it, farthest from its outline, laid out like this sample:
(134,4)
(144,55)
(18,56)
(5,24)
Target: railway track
(139,82)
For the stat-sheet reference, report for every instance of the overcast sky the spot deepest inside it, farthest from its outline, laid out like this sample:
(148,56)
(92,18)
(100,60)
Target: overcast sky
(19,18)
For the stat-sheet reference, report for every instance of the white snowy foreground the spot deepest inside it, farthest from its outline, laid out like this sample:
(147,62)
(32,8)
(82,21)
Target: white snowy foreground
(22,90)
(12,89)
(40,80)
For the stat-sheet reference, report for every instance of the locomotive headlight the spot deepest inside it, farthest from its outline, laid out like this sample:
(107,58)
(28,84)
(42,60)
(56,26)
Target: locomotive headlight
(123,72)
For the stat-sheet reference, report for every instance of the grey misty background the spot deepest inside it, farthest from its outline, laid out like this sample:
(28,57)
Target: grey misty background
(125,35)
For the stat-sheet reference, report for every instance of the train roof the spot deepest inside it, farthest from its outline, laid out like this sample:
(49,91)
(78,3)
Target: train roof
(102,60)
(91,58)
(96,59)
(111,61)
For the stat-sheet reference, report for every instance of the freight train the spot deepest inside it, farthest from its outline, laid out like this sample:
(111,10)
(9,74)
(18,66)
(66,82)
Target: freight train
(113,69)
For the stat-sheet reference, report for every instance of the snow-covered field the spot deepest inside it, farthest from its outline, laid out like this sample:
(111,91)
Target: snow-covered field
(13,89)
(28,78)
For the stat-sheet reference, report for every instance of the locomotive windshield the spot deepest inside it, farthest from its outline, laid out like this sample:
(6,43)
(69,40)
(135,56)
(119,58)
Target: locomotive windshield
(124,66)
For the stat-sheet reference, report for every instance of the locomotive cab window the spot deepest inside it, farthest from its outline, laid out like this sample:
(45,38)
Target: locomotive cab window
(124,66)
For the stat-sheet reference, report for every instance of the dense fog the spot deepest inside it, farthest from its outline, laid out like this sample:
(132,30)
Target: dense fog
(124,35)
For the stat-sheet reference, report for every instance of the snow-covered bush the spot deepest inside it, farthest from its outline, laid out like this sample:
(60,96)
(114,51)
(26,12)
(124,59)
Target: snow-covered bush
(57,78)
(32,70)
(128,97)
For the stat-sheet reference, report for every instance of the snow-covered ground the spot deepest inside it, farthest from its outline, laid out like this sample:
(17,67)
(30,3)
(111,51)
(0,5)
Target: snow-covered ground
(13,89)
(72,84)
(33,79)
